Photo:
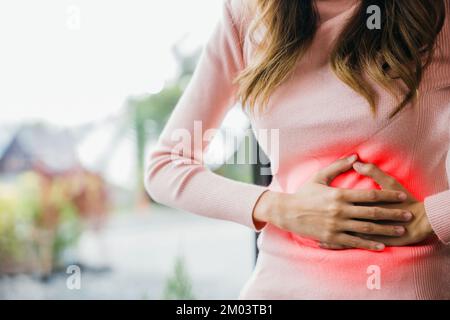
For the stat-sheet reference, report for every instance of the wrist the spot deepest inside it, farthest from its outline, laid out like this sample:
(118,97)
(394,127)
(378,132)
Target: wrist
(426,225)
(266,206)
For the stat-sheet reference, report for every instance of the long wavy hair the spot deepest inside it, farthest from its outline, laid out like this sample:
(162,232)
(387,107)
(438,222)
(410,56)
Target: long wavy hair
(400,50)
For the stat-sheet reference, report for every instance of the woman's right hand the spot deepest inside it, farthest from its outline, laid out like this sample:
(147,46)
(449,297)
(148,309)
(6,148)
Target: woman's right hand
(330,215)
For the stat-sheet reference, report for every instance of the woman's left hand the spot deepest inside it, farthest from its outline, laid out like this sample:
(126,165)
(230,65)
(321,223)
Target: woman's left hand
(419,228)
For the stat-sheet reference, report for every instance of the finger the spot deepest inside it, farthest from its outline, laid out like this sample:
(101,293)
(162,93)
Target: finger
(359,243)
(326,175)
(379,176)
(329,246)
(372,196)
(388,241)
(377,214)
(371,228)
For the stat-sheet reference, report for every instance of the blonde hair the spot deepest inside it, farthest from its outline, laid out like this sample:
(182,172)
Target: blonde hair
(400,50)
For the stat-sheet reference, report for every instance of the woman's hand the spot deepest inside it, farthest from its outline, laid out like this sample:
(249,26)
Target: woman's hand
(418,229)
(327,214)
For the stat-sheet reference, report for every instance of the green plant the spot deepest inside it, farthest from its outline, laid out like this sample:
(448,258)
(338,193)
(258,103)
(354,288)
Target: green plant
(67,233)
(19,205)
(178,285)
(9,243)
(68,228)
(27,222)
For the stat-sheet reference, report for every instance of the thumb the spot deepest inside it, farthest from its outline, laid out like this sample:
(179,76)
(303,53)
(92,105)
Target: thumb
(326,175)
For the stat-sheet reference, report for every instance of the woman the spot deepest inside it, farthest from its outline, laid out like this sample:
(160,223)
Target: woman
(359,207)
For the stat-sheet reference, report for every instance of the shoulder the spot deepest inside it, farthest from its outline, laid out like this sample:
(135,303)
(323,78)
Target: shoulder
(443,43)
(241,12)
(446,27)
(438,73)
(241,8)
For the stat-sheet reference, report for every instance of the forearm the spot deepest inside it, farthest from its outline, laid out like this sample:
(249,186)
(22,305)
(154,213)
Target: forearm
(196,189)
(266,207)
(437,208)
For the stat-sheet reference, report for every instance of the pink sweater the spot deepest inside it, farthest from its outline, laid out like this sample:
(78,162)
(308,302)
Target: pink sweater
(319,120)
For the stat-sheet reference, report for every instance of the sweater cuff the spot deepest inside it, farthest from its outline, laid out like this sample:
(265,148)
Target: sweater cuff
(437,208)
(251,197)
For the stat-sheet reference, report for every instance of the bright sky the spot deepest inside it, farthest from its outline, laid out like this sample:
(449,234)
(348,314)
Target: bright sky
(68,62)
(73,61)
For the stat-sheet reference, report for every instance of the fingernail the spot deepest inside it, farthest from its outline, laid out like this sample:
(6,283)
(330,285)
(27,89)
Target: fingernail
(399,230)
(358,165)
(407,215)
(353,158)
(403,196)
(379,246)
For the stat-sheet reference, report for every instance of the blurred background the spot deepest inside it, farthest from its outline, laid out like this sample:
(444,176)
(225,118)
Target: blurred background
(86,88)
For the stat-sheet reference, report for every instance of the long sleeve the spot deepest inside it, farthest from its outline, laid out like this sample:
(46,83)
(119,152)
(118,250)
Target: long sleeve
(438,212)
(437,208)
(176,175)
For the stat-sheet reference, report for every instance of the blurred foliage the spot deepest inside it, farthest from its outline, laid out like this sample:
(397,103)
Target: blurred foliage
(149,114)
(20,205)
(10,242)
(178,286)
(40,214)
(237,170)
(68,228)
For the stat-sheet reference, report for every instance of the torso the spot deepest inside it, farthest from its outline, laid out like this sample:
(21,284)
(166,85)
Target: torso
(330,121)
